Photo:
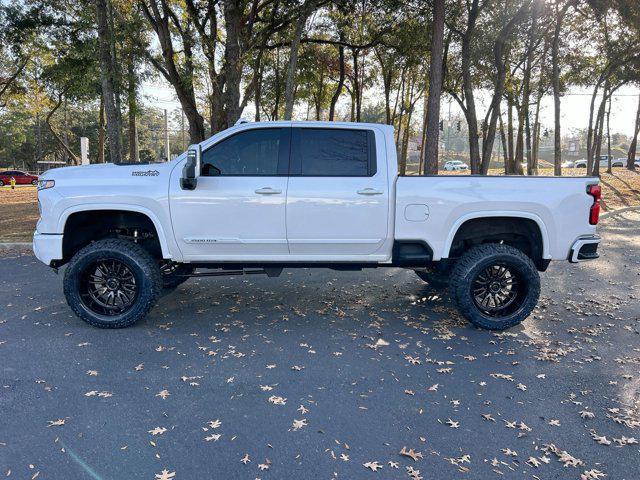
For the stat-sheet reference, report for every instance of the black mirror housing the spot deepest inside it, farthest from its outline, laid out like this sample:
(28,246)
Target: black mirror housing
(190,171)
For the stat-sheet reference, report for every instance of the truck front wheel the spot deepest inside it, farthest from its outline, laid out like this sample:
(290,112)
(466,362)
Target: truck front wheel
(112,283)
(495,286)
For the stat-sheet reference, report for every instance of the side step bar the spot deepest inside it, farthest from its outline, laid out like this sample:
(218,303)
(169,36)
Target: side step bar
(269,272)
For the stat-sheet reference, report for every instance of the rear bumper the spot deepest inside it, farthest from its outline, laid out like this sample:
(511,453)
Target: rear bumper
(47,247)
(584,248)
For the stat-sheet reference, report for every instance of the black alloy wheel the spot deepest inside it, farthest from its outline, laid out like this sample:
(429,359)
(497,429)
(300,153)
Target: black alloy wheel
(110,287)
(497,290)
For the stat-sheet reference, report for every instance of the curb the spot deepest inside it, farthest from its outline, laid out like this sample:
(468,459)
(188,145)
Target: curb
(14,245)
(619,210)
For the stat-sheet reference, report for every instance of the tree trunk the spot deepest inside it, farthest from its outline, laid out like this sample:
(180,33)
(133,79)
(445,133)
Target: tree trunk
(467,86)
(101,133)
(289,97)
(609,138)
(599,131)
(356,83)
(511,158)
(386,73)
(233,62)
(65,131)
(631,155)
(340,86)
(107,70)
(257,93)
(590,129)
(519,153)
(505,153)
(555,80)
(278,88)
(423,140)
(430,150)
(400,116)
(526,94)
(132,105)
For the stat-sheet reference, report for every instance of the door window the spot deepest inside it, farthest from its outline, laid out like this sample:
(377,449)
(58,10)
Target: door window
(334,152)
(257,152)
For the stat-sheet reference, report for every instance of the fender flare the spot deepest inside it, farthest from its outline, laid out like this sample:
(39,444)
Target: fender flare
(546,254)
(87,207)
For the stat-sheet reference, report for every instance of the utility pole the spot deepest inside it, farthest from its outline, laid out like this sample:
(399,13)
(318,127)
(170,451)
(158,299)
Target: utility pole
(166,136)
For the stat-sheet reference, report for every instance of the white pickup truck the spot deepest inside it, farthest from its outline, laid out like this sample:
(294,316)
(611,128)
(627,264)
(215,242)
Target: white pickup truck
(260,197)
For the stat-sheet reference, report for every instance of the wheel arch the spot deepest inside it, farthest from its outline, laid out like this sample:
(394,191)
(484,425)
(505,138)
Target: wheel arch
(102,208)
(496,216)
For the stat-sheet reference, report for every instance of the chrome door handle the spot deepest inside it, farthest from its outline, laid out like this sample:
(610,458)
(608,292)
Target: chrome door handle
(267,191)
(369,191)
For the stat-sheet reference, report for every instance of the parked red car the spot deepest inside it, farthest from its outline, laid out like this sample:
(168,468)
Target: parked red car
(22,178)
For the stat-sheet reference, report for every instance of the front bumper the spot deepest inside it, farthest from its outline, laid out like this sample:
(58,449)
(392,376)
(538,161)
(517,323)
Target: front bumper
(47,247)
(584,248)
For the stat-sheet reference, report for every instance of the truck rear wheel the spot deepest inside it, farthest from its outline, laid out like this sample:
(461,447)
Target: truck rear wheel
(495,286)
(112,283)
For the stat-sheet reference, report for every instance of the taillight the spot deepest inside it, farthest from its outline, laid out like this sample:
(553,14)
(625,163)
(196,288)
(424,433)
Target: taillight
(594,214)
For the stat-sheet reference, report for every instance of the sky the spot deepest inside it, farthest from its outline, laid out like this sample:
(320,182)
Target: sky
(575,106)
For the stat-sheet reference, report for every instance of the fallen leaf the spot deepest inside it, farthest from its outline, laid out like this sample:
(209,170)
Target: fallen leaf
(165,475)
(374,466)
(411,453)
(163,394)
(298,424)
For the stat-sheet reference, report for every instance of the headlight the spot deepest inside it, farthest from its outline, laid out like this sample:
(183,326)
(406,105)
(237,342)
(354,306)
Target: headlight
(44,184)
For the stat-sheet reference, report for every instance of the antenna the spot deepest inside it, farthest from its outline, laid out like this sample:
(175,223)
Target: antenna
(241,121)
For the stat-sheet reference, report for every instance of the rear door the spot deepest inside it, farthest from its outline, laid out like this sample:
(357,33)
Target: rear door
(338,196)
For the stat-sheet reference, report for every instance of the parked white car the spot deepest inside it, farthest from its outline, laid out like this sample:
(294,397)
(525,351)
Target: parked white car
(604,162)
(568,164)
(455,165)
(259,197)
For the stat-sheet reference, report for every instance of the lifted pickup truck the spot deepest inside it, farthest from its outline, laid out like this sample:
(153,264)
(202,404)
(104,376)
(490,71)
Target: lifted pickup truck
(260,197)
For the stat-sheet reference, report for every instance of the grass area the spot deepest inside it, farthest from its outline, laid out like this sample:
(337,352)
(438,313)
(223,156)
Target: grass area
(19,207)
(18,213)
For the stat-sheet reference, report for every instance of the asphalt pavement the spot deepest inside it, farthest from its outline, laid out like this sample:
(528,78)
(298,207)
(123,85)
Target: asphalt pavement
(324,374)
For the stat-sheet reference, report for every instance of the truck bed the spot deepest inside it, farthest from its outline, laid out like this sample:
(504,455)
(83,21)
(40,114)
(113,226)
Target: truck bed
(428,206)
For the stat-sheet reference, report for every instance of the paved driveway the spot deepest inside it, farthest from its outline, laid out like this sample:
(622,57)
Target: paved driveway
(317,373)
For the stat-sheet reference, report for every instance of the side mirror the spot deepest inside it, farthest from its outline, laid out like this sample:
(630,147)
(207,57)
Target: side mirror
(191,169)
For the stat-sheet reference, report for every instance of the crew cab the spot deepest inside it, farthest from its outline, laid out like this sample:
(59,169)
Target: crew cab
(260,197)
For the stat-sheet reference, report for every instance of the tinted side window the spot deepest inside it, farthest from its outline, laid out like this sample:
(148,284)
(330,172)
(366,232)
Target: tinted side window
(252,152)
(335,152)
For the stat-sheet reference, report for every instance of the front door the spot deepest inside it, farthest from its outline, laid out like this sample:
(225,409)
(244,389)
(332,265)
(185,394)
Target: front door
(237,210)
(338,197)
